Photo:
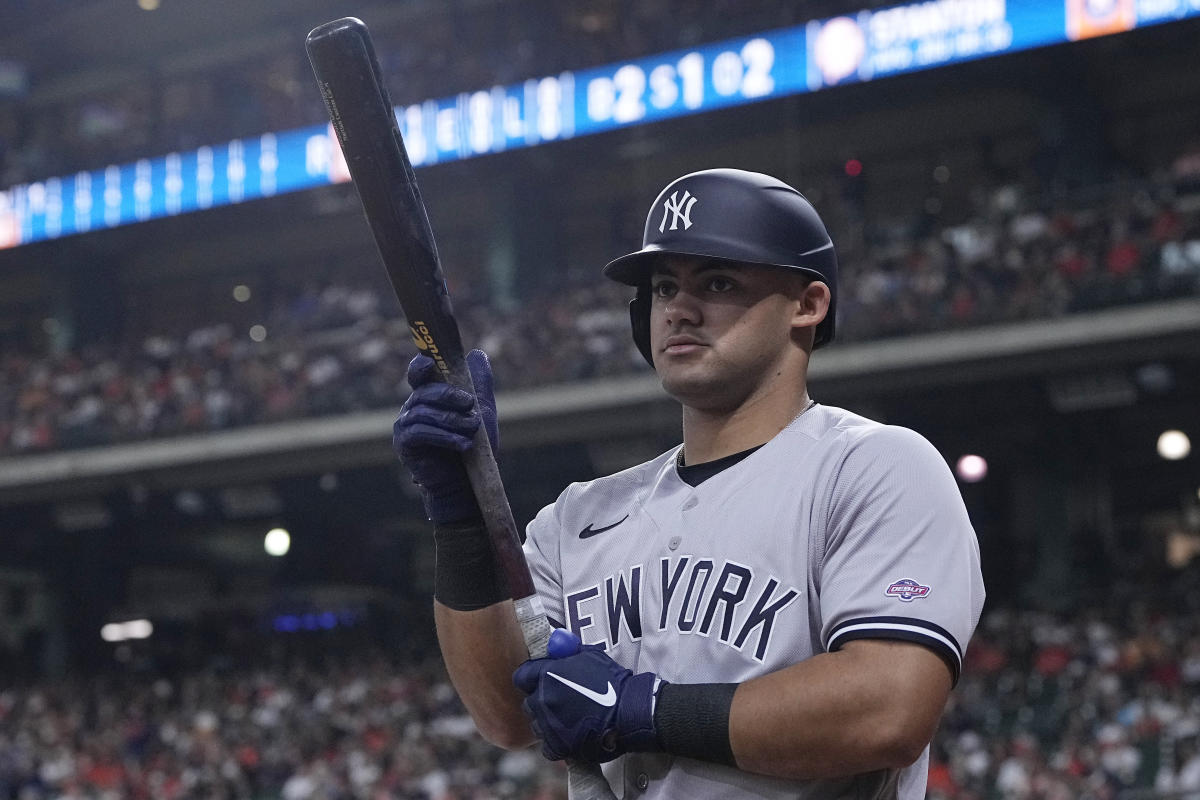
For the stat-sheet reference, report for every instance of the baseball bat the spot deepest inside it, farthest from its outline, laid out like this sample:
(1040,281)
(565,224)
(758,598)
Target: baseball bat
(364,121)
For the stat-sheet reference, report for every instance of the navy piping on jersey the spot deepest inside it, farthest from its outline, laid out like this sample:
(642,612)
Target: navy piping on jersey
(908,629)
(695,474)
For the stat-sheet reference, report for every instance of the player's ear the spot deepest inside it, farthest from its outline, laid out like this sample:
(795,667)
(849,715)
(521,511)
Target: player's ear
(812,304)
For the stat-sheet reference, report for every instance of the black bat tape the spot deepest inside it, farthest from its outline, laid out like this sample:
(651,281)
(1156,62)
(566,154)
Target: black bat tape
(364,123)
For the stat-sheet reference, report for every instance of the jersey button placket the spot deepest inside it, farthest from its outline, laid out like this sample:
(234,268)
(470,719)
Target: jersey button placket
(674,542)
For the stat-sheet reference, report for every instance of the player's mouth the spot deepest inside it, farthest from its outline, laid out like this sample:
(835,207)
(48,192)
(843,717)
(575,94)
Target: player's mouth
(681,344)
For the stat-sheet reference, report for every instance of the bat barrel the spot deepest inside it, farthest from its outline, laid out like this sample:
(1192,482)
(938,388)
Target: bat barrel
(364,122)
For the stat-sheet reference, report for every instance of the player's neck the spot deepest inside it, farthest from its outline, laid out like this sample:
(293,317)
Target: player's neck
(709,435)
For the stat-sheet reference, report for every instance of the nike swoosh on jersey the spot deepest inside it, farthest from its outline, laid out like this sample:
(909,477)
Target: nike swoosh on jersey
(589,531)
(609,698)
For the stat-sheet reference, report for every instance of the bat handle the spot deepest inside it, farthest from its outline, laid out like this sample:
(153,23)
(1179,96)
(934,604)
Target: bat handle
(534,626)
(488,488)
(584,781)
(587,782)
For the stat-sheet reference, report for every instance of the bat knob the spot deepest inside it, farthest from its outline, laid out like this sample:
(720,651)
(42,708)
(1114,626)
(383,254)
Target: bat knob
(563,643)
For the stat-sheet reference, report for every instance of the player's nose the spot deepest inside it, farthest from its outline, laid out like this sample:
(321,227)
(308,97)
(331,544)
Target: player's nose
(683,306)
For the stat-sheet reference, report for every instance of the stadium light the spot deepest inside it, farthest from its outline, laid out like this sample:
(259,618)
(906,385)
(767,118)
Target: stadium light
(1174,445)
(277,542)
(258,333)
(123,631)
(971,468)
(241,293)
(138,629)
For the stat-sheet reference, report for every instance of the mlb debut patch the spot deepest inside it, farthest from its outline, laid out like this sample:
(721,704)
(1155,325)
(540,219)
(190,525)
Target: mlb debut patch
(907,590)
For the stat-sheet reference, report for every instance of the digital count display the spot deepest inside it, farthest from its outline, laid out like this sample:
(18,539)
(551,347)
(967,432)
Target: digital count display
(816,56)
(590,101)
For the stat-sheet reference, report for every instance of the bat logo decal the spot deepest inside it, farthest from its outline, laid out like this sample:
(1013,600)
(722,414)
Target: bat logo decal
(423,339)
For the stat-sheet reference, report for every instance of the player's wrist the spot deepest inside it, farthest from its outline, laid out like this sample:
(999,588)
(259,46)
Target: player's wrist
(692,720)
(452,504)
(635,731)
(465,577)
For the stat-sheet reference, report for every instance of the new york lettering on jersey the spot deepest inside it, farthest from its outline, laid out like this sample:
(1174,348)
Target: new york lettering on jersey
(688,576)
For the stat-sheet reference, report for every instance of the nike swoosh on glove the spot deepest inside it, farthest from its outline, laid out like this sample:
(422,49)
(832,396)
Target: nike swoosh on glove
(586,706)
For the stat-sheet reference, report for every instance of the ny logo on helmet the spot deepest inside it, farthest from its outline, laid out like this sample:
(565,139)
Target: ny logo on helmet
(681,210)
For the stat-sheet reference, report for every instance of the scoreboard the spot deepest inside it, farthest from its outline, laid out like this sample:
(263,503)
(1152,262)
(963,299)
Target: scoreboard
(818,55)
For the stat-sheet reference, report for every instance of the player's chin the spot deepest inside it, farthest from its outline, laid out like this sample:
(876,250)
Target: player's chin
(686,378)
(672,361)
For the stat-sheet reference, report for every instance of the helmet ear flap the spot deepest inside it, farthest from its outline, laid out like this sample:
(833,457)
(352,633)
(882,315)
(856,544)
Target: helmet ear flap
(639,320)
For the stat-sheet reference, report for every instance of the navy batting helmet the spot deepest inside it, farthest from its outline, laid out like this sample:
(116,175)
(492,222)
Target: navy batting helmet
(732,215)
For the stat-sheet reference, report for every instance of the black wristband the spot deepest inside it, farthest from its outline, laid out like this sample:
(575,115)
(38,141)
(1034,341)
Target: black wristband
(464,567)
(692,720)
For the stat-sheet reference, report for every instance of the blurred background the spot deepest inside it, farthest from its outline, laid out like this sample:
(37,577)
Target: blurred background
(214,575)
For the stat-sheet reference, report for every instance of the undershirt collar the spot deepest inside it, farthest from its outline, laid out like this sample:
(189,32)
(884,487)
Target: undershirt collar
(695,474)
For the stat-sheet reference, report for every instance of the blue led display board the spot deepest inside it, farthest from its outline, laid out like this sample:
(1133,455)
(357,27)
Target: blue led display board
(818,55)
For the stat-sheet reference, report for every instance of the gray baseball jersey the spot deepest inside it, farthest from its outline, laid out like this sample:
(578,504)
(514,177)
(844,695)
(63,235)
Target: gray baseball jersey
(839,528)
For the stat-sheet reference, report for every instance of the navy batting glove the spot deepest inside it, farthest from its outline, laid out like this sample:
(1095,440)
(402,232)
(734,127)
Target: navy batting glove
(435,425)
(585,705)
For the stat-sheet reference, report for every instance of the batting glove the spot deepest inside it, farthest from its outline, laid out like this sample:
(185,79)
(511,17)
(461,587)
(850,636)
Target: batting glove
(435,425)
(584,705)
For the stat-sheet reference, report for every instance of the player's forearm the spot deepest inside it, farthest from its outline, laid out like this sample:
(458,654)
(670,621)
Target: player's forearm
(477,628)
(871,706)
(481,649)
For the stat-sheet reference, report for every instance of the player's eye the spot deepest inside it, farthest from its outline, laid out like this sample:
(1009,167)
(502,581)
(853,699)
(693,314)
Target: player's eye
(719,284)
(663,289)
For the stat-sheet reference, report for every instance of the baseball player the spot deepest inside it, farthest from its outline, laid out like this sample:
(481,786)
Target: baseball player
(779,606)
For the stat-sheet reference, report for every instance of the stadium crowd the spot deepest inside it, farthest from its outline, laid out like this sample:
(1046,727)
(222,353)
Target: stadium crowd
(331,349)
(1096,706)
(362,728)
(1057,707)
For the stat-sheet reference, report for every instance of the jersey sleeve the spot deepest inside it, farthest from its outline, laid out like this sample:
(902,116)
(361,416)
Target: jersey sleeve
(543,554)
(901,560)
